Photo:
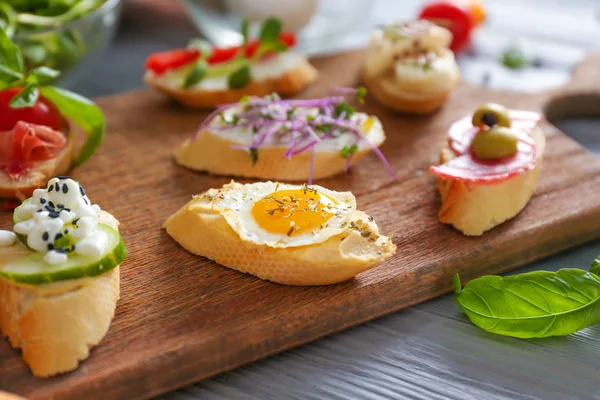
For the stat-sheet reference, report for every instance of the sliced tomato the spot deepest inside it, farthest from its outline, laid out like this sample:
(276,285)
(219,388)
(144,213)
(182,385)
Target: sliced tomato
(42,113)
(159,63)
(27,144)
(456,17)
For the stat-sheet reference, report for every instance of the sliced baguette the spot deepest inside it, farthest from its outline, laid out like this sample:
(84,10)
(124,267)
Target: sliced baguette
(55,325)
(10,396)
(474,209)
(290,82)
(37,177)
(386,91)
(213,153)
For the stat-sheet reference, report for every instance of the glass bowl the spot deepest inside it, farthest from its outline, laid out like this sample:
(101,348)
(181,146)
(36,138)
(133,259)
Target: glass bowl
(72,48)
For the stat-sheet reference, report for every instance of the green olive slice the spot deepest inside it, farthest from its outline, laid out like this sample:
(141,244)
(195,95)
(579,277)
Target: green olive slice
(495,143)
(491,114)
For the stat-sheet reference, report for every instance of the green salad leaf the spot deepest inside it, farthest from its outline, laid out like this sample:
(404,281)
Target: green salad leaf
(197,73)
(532,305)
(84,113)
(10,56)
(595,268)
(26,97)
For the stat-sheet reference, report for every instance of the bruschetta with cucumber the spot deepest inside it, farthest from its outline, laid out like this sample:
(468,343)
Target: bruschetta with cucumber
(59,277)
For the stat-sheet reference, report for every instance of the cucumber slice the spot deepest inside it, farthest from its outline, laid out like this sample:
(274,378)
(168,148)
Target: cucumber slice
(32,269)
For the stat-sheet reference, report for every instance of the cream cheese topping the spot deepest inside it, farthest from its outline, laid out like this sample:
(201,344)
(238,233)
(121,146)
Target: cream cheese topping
(60,220)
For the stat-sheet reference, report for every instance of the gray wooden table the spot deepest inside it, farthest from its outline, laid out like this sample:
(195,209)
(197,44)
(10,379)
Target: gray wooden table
(425,352)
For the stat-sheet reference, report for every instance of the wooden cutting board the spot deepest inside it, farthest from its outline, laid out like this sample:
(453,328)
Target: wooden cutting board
(182,318)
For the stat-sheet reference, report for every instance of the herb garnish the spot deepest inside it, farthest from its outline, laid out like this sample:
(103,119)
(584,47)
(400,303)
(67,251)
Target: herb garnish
(74,107)
(514,58)
(595,268)
(298,124)
(534,304)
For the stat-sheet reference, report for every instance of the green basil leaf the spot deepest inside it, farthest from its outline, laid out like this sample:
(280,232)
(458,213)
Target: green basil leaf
(9,21)
(270,31)
(197,73)
(8,76)
(532,305)
(84,113)
(26,97)
(245,29)
(10,55)
(35,52)
(240,77)
(595,268)
(44,75)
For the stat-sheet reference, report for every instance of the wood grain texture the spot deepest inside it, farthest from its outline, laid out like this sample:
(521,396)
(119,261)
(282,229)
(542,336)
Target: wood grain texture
(182,318)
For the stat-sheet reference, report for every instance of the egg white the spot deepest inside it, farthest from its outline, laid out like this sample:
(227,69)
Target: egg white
(235,205)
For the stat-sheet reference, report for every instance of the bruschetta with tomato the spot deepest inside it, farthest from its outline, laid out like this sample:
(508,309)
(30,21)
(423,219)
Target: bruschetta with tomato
(203,76)
(36,140)
(489,168)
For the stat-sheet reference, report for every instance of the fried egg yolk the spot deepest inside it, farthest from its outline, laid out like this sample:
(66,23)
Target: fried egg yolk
(288,212)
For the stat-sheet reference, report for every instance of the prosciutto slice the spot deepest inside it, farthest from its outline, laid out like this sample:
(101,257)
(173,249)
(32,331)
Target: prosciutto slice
(26,144)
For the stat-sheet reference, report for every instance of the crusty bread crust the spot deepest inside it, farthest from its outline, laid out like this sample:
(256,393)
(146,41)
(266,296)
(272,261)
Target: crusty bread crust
(205,233)
(55,325)
(289,83)
(213,153)
(10,396)
(474,209)
(385,90)
(38,176)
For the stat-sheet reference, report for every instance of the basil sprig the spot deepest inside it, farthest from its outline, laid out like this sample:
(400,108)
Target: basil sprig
(238,71)
(534,304)
(76,108)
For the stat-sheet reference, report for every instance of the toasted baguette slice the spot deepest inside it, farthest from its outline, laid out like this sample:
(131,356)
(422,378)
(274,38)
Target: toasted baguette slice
(474,209)
(39,175)
(289,82)
(205,233)
(56,324)
(212,152)
(10,396)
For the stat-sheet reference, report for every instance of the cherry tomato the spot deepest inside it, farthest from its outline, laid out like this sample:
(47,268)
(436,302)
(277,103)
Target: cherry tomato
(455,17)
(159,63)
(42,113)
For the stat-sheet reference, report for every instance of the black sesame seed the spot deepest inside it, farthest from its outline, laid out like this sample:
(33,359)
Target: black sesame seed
(82,190)
(65,188)
(66,231)
(51,204)
(60,206)
(58,236)
(75,221)
(73,248)
(45,236)
(53,214)
(51,188)
(43,201)
(50,246)
(57,187)
(63,177)
(39,211)
(489,119)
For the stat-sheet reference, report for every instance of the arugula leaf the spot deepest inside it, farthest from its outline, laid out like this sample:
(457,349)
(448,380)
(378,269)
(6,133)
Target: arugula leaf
(10,55)
(84,113)
(26,97)
(595,268)
(197,73)
(532,305)
(240,77)
(43,75)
